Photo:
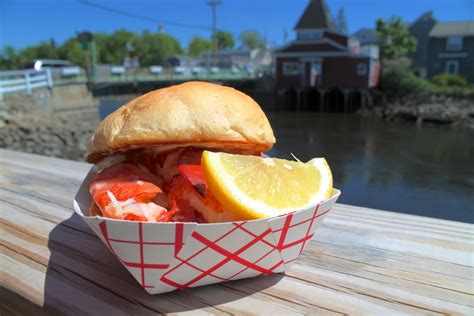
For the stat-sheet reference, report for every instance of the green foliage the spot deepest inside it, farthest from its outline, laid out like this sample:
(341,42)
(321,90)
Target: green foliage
(71,50)
(9,58)
(224,40)
(155,48)
(198,45)
(150,48)
(44,50)
(112,49)
(445,80)
(12,59)
(396,39)
(397,79)
(251,39)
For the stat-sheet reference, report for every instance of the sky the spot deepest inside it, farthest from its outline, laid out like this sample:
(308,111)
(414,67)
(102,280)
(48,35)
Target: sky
(27,22)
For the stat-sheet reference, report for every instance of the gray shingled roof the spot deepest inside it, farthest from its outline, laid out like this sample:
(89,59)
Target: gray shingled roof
(461,28)
(315,16)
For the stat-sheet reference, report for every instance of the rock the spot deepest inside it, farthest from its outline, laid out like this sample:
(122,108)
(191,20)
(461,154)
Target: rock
(432,109)
(25,128)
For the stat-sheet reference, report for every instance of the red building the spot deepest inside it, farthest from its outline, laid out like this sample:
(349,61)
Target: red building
(322,58)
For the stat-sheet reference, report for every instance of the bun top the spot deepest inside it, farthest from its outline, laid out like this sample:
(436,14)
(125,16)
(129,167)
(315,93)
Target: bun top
(189,114)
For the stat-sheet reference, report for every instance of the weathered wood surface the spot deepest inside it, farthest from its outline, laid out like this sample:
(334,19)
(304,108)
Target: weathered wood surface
(362,261)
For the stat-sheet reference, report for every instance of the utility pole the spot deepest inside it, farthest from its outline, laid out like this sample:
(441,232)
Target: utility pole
(213,4)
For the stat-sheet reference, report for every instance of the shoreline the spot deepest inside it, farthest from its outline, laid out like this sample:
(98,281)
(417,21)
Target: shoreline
(439,111)
(63,134)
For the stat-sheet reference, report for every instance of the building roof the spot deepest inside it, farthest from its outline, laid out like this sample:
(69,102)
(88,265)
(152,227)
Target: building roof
(316,16)
(426,16)
(310,47)
(460,28)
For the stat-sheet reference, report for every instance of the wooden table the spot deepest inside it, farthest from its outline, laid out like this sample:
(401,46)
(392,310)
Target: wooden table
(362,260)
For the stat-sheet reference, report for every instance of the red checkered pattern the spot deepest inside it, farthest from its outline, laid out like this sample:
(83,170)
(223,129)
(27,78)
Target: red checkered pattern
(168,256)
(145,250)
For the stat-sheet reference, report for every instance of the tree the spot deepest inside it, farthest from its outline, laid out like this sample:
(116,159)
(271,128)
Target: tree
(224,40)
(150,48)
(71,50)
(341,21)
(113,48)
(396,39)
(198,45)
(251,39)
(43,50)
(155,48)
(8,58)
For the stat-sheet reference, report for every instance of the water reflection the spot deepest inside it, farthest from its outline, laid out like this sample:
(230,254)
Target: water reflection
(394,166)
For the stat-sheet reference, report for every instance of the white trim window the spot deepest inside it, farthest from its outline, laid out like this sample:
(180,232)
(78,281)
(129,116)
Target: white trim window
(454,43)
(362,69)
(291,68)
(452,67)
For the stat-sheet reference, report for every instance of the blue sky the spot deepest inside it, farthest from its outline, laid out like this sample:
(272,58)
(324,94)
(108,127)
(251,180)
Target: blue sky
(26,22)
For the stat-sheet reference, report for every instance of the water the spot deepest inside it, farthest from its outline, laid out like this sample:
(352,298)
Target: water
(395,166)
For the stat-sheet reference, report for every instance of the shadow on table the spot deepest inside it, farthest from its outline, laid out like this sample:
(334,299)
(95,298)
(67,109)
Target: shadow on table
(84,277)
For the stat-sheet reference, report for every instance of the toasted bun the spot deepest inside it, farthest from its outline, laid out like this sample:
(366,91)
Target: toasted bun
(190,114)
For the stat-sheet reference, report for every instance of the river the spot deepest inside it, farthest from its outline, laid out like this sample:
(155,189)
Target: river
(394,166)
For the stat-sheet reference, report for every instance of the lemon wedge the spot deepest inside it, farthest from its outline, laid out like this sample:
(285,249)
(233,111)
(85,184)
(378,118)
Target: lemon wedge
(254,187)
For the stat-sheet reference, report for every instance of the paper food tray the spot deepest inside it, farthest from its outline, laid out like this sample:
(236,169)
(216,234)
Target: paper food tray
(164,257)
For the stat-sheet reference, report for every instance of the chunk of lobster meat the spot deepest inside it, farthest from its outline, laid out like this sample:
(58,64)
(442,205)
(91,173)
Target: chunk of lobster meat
(133,211)
(125,191)
(184,212)
(190,185)
(165,164)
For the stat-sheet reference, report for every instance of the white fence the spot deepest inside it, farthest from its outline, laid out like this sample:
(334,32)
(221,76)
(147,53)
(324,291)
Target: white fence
(24,81)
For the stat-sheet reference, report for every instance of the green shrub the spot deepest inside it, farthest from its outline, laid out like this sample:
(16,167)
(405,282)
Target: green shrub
(445,80)
(398,80)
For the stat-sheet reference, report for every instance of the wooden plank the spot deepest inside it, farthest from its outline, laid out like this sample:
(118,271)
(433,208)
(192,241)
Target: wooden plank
(361,261)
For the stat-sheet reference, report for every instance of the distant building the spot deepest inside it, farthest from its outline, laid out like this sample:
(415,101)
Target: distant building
(241,58)
(420,30)
(451,49)
(226,58)
(367,36)
(181,61)
(323,58)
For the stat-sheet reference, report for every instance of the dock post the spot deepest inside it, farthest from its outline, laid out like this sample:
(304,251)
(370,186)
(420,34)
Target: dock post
(298,99)
(322,95)
(363,99)
(345,93)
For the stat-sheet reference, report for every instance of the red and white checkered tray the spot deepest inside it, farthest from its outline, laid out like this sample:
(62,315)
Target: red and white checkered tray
(164,257)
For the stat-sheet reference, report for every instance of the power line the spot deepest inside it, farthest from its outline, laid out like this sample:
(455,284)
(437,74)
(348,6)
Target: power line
(143,17)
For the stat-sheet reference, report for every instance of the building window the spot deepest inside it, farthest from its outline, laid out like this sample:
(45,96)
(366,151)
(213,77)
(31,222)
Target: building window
(454,43)
(452,67)
(362,69)
(291,68)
